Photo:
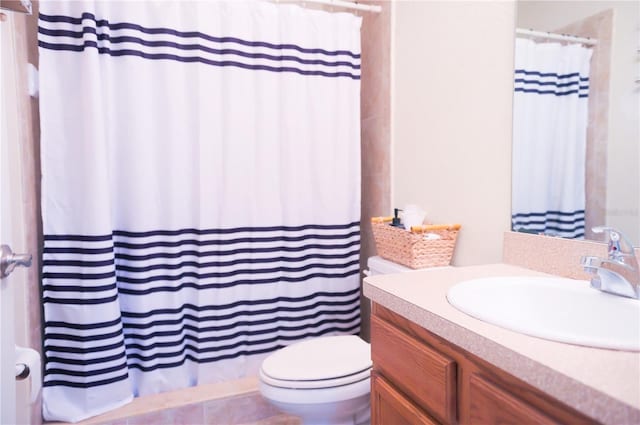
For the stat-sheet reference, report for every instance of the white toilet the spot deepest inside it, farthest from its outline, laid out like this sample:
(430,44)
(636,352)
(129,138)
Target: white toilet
(324,380)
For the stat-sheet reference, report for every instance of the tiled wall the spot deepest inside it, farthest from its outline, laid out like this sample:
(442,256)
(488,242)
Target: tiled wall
(599,27)
(375,130)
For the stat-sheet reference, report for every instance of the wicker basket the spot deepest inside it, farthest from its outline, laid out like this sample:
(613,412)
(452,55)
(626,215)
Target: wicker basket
(412,249)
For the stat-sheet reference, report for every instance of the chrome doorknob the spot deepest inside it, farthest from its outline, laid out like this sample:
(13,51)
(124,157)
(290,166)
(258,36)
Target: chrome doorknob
(9,260)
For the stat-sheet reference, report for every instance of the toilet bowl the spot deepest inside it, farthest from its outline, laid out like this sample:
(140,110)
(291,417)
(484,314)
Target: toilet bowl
(324,380)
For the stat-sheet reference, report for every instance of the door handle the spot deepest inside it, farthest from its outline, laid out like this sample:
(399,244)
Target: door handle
(9,260)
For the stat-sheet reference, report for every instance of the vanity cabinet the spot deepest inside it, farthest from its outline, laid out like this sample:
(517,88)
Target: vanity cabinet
(420,378)
(392,407)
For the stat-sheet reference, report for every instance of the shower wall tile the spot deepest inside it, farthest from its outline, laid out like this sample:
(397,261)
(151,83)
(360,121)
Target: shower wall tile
(376,204)
(600,27)
(375,146)
(376,59)
(375,105)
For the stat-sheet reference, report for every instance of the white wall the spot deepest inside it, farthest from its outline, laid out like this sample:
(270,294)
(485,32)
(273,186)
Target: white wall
(623,154)
(452,72)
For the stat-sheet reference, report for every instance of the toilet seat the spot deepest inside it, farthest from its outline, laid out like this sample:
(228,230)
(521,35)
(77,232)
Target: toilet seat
(316,383)
(317,396)
(324,362)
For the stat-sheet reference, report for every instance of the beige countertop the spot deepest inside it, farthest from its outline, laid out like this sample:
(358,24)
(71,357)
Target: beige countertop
(602,384)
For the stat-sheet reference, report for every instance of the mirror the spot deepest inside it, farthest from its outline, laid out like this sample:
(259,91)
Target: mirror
(612,149)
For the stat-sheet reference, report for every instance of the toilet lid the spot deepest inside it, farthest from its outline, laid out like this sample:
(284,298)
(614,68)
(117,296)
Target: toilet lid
(320,359)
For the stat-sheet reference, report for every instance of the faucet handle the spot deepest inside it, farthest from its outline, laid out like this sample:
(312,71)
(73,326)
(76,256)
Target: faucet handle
(618,245)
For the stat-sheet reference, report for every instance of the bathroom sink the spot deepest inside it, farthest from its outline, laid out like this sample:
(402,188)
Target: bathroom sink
(558,309)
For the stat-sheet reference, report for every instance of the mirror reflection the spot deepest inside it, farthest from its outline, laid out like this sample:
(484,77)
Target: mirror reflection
(576,153)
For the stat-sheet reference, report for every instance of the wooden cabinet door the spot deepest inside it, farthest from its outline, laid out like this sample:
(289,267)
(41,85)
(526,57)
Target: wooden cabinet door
(425,375)
(389,407)
(491,404)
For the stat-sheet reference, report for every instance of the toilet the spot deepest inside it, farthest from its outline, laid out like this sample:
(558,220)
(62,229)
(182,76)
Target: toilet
(325,380)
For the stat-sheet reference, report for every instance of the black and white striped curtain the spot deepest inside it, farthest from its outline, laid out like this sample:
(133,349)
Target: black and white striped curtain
(550,114)
(201,192)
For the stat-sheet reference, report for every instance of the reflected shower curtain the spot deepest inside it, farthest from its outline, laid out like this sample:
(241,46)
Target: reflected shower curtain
(549,138)
(200,192)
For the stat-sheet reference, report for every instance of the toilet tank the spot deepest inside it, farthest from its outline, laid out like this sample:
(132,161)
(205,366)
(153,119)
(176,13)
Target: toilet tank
(378,265)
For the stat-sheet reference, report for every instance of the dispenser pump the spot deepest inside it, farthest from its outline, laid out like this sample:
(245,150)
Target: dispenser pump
(396,220)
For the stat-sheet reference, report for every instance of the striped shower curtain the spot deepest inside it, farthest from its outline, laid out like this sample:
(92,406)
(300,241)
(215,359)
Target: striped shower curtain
(200,192)
(549,138)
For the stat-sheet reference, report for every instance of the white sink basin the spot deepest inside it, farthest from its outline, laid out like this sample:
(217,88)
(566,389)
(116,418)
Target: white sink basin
(558,309)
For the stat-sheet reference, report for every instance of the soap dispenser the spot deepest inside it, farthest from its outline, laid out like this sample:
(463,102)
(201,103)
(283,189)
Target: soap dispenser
(395,222)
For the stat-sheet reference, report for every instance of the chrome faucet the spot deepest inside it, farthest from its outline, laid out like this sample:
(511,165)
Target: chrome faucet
(618,274)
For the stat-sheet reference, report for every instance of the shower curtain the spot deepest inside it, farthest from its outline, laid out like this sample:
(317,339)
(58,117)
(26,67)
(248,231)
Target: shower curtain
(549,138)
(200,192)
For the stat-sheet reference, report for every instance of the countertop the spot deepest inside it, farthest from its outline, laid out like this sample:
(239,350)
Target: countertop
(602,384)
